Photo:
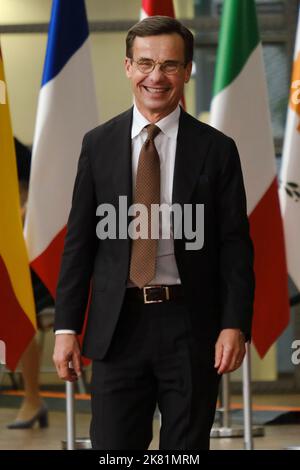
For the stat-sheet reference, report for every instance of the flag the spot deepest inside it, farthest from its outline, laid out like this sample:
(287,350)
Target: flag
(240,110)
(17,323)
(159,7)
(290,171)
(66,110)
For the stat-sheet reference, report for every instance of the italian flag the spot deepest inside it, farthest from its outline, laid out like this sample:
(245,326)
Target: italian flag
(240,110)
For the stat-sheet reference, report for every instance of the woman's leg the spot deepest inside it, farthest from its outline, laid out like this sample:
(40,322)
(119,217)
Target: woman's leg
(30,369)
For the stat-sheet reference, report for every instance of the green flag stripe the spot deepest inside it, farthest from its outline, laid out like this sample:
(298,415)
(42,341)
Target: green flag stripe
(238,38)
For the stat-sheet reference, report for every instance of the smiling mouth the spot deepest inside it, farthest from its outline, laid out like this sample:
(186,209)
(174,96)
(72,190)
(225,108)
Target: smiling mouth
(156,90)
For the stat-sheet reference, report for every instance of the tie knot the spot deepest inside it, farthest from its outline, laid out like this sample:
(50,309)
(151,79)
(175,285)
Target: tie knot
(152,130)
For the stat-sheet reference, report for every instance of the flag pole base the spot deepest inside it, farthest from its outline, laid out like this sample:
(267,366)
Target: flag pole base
(257,431)
(81,443)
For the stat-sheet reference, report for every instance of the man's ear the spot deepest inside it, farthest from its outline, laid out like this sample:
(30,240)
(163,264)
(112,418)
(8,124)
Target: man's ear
(188,71)
(128,67)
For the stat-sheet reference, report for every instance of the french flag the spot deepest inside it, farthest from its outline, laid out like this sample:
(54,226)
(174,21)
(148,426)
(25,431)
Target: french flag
(66,110)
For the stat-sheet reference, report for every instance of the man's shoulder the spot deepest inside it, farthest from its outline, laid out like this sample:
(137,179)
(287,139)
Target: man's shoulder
(109,126)
(200,129)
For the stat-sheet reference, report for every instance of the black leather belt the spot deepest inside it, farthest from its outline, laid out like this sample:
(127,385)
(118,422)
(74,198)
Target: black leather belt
(155,294)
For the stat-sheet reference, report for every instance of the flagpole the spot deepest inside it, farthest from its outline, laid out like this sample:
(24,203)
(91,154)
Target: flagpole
(72,442)
(70,415)
(226,401)
(295,302)
(226,430)
(247,399)
(248,431)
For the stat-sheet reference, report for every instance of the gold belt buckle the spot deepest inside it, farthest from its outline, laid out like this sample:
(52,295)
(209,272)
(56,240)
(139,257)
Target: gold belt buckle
(146,301)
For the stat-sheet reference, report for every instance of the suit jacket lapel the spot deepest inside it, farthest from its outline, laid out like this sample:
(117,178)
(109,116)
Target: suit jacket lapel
(189,157)
(188,160)
(120,152)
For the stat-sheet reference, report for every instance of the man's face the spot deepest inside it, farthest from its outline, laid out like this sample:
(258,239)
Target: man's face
(157,94)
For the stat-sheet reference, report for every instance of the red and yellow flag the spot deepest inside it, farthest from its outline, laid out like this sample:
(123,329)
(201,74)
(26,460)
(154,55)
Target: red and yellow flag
(17,311)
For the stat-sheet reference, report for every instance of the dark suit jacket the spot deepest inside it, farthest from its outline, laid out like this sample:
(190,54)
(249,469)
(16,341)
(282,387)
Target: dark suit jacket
(217,280)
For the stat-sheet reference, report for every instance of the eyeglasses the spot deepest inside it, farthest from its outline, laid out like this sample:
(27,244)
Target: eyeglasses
(169,67)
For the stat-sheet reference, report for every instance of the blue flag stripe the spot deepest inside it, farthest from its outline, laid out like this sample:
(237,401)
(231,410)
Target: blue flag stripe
(68,30)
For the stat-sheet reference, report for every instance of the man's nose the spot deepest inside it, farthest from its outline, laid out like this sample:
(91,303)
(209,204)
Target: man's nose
(156,73)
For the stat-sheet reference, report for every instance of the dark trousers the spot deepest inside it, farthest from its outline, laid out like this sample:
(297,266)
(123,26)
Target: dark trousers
(154,358)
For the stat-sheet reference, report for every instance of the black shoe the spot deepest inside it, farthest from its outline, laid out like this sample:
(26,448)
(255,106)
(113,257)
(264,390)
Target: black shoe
(41,416)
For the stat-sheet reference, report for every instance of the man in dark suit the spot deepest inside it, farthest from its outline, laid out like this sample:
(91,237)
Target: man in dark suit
(166,318)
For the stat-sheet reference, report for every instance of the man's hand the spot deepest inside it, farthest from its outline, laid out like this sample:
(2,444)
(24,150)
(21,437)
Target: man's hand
(67,351)
(230,350)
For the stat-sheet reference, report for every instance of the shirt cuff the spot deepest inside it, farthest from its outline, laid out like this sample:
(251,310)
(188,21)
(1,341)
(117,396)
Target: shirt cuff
(65,332)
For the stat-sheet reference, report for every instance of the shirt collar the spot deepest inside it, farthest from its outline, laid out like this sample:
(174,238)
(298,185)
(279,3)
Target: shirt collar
(168,125)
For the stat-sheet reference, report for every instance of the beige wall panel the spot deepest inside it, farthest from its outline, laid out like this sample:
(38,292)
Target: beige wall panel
(24,56)
(38,11)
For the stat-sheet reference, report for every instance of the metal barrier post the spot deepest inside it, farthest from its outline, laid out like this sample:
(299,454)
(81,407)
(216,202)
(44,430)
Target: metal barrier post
(70,415)
(73,443)
(226,430)
(248,432)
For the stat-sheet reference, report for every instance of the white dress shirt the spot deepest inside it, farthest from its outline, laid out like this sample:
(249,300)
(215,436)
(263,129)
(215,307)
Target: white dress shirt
(165,143)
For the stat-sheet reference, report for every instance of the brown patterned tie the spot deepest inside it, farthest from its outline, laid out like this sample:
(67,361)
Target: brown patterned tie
(147,192)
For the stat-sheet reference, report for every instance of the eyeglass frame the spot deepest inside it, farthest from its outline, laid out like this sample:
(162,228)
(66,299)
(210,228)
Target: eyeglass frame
(156,62)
